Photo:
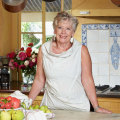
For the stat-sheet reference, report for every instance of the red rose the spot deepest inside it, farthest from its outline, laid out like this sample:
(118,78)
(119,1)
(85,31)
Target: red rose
(31,64)
(28,51)
(30,44)
(22,66)
(22,56)
(11,64)
(36,60)
(15,64)
(11,55)
(22,49)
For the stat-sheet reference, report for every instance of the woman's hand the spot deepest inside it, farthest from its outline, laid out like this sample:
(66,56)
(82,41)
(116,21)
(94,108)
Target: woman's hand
(102,110)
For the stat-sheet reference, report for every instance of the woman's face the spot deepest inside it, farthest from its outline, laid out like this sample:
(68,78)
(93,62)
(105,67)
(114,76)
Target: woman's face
(64,31)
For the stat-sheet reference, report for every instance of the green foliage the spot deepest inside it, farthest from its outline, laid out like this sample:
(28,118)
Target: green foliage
(28,38)
(48,38)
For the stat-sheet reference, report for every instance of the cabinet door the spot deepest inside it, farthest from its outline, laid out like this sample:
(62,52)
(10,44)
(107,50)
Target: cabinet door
(38,100)
(112,104)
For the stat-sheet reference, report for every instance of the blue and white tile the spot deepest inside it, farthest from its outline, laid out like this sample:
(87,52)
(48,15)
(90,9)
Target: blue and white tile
(101,47)
(92,35)
(103,26)
(92,26)
(115,33)
(114,80)
(101,80)
(114,26)
(95,68)
(98,58)
(113,71)
(100,38)
(96,80)
(104,35)
(103,69)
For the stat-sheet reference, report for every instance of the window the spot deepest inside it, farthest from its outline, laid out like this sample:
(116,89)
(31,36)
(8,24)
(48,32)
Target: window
(31,32)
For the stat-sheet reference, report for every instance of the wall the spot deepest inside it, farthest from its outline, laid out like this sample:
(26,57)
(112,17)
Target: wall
(9,26)
(37,16)
(9,34)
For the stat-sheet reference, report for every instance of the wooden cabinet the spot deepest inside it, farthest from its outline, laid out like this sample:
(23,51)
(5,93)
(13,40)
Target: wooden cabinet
(112,104)
(38,100)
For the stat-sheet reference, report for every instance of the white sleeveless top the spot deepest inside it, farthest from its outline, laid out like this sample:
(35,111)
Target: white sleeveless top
(63,87)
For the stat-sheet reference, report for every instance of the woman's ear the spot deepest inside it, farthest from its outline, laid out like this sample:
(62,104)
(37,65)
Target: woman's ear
(73,34)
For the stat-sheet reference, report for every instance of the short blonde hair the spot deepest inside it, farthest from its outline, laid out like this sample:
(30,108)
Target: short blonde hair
(65,16)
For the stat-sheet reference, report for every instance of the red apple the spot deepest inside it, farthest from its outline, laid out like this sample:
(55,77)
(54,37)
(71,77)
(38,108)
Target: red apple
(8,105)
(15,103)
(2,105)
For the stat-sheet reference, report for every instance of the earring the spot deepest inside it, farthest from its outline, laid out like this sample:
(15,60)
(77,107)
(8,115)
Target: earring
(54,37)
(71,40)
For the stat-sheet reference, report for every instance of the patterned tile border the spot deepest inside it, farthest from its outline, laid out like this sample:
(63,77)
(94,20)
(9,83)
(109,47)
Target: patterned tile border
(114,30)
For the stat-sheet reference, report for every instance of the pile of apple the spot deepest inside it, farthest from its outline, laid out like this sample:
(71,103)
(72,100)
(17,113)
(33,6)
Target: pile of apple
(11,115)
(43,108)
(9,102)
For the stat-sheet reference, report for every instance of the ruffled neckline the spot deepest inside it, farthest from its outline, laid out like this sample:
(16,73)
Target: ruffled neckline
(63,54)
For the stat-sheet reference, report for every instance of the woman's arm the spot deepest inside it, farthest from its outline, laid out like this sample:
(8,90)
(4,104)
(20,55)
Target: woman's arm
(39,80)
(87,80)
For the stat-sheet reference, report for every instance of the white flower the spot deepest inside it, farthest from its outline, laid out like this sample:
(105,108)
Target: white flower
(26,63)
(18,57)
(33,56)
(33,60)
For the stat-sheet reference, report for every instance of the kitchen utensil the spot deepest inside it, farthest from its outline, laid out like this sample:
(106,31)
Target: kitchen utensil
(48,0)
(116,2)
(14,5)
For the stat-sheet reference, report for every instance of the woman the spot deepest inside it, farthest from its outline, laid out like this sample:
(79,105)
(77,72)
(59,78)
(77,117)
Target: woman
(64,68)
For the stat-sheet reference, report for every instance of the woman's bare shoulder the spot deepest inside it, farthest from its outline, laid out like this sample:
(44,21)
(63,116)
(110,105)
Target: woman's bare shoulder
(84,50)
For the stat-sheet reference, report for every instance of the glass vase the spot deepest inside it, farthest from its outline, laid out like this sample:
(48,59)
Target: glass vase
(27,79)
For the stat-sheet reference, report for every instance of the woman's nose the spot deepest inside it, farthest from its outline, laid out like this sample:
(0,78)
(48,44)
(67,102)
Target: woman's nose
(63,30)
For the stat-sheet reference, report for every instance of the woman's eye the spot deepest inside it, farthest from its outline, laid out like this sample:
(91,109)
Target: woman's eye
(59,27)
(68,28)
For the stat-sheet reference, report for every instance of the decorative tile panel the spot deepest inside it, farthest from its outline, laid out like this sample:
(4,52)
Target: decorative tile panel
(103,40)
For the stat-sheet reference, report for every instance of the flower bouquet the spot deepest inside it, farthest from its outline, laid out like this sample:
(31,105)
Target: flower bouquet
(25,60)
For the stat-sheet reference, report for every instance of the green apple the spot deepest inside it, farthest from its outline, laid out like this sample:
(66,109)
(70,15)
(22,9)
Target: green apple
(36,107)
(17,115)
(11,111)
(42,108)
(0,115)
(31,107)
(46,107)
(48,111)
(5,115)
(23,105)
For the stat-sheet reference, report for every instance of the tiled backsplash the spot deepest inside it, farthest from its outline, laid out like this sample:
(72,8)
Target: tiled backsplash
(103,42)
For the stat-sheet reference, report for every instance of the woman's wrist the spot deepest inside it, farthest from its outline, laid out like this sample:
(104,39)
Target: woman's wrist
(96,108)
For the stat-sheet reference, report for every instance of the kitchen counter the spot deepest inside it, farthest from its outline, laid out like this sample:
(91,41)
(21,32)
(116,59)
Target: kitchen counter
(106,95)
(76,115)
